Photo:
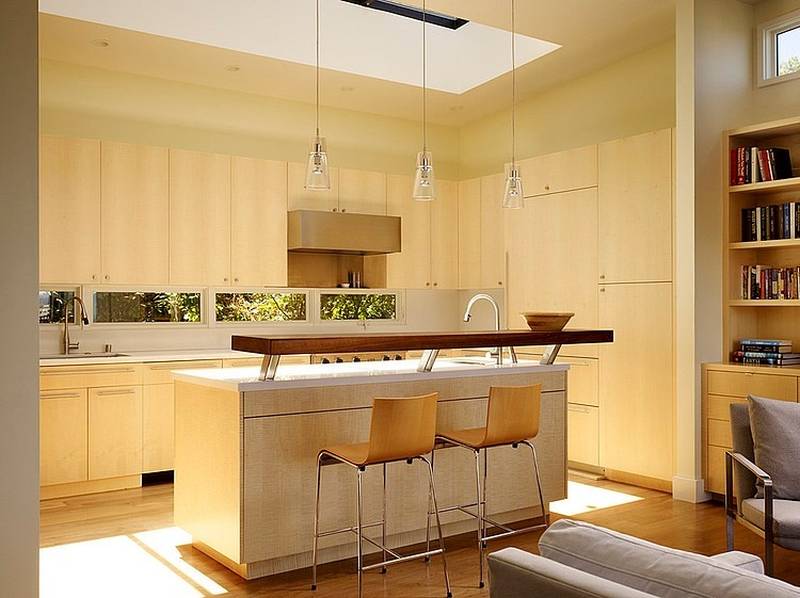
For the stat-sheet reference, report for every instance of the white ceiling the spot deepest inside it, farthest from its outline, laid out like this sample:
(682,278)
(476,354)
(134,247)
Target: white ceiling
(387,46)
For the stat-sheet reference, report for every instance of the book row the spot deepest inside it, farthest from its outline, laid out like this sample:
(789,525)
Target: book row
(755,164)
(769,223)
(767,282)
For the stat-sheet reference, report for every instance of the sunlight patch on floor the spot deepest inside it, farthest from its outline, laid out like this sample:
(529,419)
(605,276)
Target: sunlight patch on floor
(583,498)
(143,564)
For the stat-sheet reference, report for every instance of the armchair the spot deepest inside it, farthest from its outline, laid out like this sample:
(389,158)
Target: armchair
(775,520)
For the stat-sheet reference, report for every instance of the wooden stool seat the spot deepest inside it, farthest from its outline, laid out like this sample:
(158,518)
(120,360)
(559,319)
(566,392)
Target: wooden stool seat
(474,438)
(355,454)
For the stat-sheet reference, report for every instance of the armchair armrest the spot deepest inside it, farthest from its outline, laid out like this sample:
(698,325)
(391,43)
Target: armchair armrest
(732,512)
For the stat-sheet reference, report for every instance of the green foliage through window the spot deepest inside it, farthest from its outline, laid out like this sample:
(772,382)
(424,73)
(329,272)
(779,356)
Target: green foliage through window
(260,307)
(350,306)
(142,307)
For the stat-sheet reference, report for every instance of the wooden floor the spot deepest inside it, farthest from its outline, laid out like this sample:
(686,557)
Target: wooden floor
(124,544)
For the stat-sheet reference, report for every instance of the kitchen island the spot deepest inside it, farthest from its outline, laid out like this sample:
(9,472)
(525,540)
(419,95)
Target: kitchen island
(246,452)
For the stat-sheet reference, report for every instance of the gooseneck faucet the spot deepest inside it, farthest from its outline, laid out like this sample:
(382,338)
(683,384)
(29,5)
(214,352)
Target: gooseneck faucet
(67,344)
(491,300)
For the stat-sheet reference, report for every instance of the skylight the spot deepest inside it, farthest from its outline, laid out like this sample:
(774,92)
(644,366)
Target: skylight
(370,43)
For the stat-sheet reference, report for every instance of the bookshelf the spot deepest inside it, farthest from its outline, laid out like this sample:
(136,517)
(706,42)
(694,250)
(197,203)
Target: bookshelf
(763,318)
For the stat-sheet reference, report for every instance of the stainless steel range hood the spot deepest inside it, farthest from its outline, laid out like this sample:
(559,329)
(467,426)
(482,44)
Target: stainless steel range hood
(313,231)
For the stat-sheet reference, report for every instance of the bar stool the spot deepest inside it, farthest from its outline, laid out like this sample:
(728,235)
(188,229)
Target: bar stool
(512,419)
(402,429)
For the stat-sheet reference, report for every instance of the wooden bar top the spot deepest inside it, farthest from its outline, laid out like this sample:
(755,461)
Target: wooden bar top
(300,344)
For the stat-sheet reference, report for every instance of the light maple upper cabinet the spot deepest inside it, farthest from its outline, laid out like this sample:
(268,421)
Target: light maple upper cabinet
(469,234)
(63,441)
(635,189)
(493,254)
(115,432)
(135,213)
(301,199)
(552,260)
(559,171)
(411,268)
(199,223)
(636,380)
(362,192)
(258,222)
(69,210)
(444,236)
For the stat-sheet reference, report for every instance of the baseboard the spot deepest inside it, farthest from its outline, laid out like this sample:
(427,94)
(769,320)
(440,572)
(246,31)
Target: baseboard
(89,487)
(689,490)
(634,479)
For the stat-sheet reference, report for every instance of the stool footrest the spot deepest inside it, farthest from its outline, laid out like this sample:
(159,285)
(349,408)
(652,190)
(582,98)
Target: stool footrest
(403,559)
(353,529)
(514,532)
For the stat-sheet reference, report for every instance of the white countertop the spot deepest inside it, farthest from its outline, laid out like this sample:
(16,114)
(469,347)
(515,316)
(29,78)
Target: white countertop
(149,357)
(340,374)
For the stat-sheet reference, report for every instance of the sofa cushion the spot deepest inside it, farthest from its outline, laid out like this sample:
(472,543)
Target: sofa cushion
(785,519)
(651,568)
(736,558)
(776,442)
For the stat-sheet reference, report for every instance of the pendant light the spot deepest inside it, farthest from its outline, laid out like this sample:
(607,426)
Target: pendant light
(513,197)
(424,180)
(317,174)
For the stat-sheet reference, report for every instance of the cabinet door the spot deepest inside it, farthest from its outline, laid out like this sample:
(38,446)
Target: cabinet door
(258,222)
(444,236)
(561,171)
(200,199)
(552,260)
(636,208)
(469,234)
(62,437)
(301,199)
(582,438)
(158,427)
(135,209)
(493,254)
(69,210)
(115,432)
(636,380)
(411,268)
(362,192)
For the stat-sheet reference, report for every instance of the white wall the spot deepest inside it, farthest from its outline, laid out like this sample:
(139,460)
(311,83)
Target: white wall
(19,438)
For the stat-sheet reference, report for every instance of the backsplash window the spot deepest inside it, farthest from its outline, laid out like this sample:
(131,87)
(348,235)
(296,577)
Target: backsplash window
(357,306)
(147,307)
(53,303)
(260,307)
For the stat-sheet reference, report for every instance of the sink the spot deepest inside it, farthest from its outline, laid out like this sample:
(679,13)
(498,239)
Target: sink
(83,355)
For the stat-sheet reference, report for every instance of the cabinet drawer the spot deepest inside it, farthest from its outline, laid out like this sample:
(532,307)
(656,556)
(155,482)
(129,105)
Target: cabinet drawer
(115,432)
(561,171)
(719,432)
(243,362)
(583,444)
(582,378)
(161,373)
(715,469)
(62,437)
(720,407)
(88,376)
(741,384)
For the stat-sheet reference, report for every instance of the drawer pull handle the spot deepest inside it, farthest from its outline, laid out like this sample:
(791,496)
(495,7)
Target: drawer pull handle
(111,393)
(179,366)
(63,395)
(72,372)
(579,408)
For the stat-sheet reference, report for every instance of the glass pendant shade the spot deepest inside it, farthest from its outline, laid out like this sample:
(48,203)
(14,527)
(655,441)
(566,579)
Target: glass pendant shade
(424,180)
(513,197)
(317,173)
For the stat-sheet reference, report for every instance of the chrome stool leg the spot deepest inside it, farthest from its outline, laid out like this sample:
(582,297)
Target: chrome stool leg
(438,526)
(360,530)
(316,528)
(383,520)
(428,526)
(545,511)
(485,476)
(478,496)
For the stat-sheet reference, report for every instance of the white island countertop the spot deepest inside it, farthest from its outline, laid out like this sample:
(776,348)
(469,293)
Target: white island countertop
(338,374)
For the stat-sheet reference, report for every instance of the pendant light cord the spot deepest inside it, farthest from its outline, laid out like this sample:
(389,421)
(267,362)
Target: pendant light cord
(513,88)
(424,80)
(317,73)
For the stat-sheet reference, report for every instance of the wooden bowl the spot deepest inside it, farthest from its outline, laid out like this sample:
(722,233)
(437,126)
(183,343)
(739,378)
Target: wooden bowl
(544,321)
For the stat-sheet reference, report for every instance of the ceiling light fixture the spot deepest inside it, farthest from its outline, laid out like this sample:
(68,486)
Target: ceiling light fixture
(513,197)
(101,43)
(233,68)
(424,180)
(412,12)
(317,174)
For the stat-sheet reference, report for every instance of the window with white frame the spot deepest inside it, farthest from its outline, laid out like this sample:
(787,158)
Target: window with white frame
(54,303)
(244,306)
(779,49)
(358,306)
(147,307)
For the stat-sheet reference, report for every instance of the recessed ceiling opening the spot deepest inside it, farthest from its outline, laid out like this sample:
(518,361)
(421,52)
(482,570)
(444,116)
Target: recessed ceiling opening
(412,12)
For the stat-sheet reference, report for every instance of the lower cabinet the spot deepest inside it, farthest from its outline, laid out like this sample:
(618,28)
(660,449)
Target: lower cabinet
(63,441)
(115,432)
(158,427)
(583,441)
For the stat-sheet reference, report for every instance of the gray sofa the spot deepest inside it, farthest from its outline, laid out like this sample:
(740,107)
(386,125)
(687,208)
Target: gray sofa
(582,560)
